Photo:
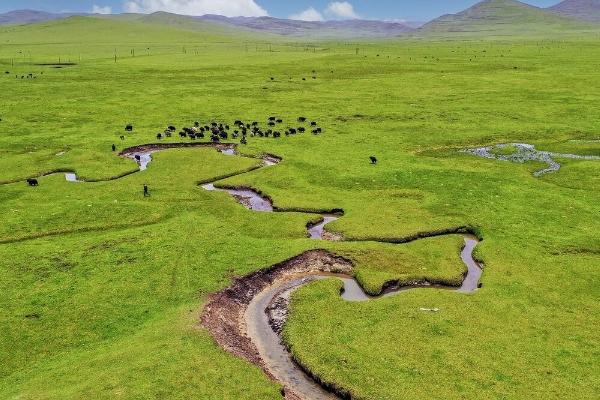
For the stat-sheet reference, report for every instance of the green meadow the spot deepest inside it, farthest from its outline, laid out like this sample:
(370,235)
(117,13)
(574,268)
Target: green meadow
(102,288)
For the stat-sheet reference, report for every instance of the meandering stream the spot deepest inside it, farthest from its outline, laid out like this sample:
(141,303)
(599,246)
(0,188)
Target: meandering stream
(524,152)
(247,318)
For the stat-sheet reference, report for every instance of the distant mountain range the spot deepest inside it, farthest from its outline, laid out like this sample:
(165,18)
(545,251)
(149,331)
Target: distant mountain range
(502,18)
(489,17)
(588,10)
(32,16)
(289,27)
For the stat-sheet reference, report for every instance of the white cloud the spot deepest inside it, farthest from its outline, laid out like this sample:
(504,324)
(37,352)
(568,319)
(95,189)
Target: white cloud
(341,10)
(101,10)
(228,8)
(310,14)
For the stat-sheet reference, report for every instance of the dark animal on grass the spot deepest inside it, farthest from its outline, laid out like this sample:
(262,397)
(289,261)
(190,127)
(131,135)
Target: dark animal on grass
(313,123)
(32,182)
(146,191)
(272,118)
(114,148)
(168,134)
(292,131)
(226,127)
(373,160)
(319,130)
(271,123)
(301,130)
(200,135)
(182,134)
(196,124)
(244,140)
(235,135)
(172,128)
(122,137)
(192,136)
(276,135)
(214,124)
(215,138)
(129,128)
(315,132)
(159,136)
(301,119)
(280,121)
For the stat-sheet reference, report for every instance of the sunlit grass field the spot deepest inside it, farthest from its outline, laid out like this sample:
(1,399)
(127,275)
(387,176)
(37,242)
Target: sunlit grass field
(102,288)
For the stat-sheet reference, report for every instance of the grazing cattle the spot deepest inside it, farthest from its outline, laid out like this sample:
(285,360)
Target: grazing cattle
(237,122)
(313,123)
(272,78)
(159,136)
(168,134)
(129,128)
(301,119)
(235,135)
(303,79)
(292,131)
(192,136)
(254,123)
(301,129)
(200,135)
(276,135)
(182,134)
(373,160)
(272,118)
(226,127)
(271,123)
(196,124)
(214,124)
(32,182)
(114,148)
(280,121)
(315,132)
(319,130)
(172,128)
(244,141)
(215,138)
(122,137)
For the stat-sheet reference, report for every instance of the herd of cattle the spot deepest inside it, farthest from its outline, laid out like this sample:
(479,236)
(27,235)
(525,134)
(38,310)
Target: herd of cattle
(239,130)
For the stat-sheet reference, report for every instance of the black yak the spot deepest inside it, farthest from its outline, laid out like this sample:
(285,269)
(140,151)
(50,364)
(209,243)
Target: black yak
(32,182)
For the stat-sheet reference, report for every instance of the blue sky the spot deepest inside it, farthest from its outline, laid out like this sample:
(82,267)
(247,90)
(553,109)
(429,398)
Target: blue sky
(414,10)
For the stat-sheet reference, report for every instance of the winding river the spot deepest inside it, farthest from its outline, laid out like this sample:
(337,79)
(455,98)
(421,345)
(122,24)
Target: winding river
(246,318)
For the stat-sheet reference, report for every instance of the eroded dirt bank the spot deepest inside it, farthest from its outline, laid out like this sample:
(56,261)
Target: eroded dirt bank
(223,315)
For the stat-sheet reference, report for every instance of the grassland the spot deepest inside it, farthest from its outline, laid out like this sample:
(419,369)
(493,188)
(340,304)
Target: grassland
(101,288)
